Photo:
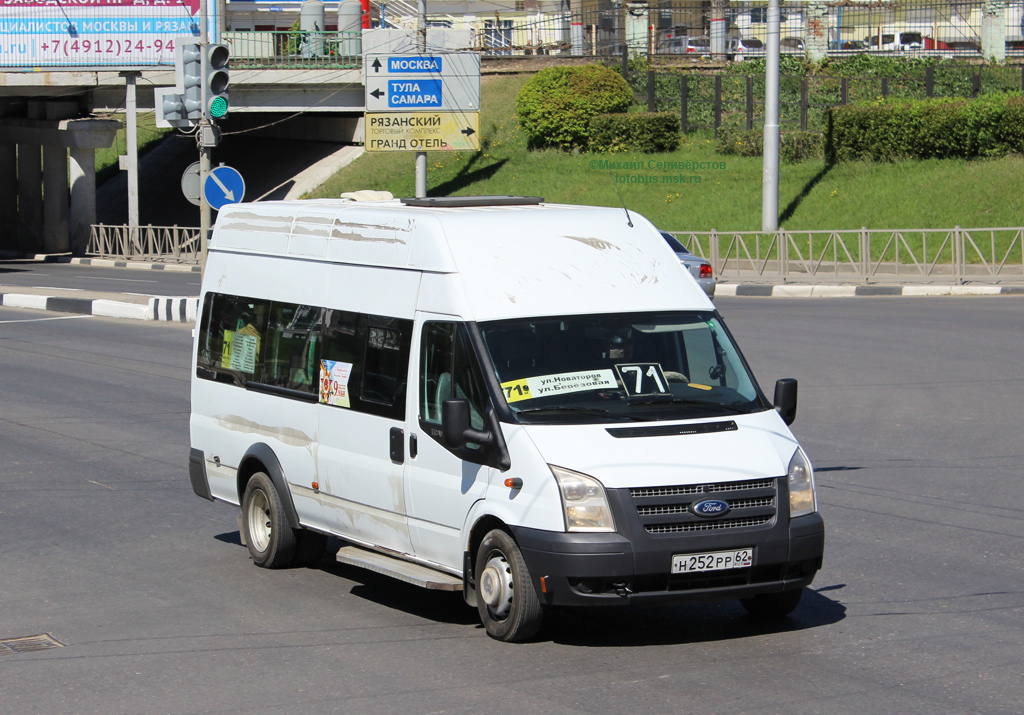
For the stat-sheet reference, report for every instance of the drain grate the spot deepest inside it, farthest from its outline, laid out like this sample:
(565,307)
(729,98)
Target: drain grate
(28,644)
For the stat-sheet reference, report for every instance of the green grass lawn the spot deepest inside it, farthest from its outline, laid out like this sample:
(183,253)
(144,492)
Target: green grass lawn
(812,195)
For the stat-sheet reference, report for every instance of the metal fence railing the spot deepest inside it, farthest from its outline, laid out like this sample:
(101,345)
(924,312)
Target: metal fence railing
(288,49)
(167,243)
(682,27)
(956,255)
(731,100)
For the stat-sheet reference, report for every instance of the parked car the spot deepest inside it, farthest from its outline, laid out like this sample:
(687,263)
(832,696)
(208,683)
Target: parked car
(698,46)
(698,267)
(847,45)
(744,47)
(791,44)
(685,46)
(896,41)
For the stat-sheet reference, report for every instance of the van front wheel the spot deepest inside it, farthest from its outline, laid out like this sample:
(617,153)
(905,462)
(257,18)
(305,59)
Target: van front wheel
(270,540)
(506,599)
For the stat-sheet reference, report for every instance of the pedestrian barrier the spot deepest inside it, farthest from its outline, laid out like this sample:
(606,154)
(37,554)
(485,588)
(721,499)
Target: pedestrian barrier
(948,255)
(164,243)
(955,255)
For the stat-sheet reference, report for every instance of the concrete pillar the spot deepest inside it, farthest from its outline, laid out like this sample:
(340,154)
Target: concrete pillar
(55,200)
(30,198)
(82,170)
(993,30)
(8,198)
(816,39)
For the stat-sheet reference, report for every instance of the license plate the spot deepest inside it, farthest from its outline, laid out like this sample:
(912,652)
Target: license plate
(712,561)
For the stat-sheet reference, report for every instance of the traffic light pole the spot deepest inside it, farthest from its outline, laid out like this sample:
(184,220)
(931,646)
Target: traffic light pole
(421,45)
(198,98)
(205,158)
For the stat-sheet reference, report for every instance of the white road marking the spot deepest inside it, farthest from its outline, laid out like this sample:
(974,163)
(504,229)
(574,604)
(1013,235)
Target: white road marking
(40,320)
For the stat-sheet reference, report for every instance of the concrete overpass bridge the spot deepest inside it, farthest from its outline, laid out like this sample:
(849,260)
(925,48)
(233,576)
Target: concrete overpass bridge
(52,120)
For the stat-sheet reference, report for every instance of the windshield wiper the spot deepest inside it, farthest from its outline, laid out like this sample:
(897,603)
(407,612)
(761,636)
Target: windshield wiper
(670,400)
(596,411)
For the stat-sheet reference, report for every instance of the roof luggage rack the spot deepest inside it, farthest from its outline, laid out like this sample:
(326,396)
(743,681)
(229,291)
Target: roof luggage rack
(442,202)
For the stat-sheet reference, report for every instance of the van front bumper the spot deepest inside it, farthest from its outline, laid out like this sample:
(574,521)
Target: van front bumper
(611,569)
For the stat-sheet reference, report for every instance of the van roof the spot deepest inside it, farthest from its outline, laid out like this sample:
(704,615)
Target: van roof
(515,259)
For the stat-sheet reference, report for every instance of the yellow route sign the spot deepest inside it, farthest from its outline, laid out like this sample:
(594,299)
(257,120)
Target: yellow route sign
(422,131)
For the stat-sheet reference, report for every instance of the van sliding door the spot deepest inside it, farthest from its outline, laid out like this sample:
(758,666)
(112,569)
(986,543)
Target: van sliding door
(364,369)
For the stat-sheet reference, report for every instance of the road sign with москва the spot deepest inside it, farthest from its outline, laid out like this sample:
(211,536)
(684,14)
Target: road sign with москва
(448,81)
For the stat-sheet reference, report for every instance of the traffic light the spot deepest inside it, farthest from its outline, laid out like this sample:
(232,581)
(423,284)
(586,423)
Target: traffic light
(181,106)
(216,81)
(189,71)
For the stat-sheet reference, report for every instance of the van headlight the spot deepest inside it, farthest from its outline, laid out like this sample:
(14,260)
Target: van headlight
(583,500)
(801,485)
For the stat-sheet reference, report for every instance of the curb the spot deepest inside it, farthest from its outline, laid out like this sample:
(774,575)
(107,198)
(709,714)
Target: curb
(760,290)
(161,308)
(135,265)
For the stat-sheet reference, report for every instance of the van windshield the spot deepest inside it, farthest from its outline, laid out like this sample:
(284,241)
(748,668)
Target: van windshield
(620,367)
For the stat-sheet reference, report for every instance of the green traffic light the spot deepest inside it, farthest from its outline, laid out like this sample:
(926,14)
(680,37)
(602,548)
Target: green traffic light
(218,107)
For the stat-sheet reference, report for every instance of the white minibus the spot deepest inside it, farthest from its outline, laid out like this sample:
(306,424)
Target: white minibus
(530,403)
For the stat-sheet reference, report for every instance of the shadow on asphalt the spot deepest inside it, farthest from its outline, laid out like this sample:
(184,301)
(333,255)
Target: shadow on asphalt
(606,627)
(673,625)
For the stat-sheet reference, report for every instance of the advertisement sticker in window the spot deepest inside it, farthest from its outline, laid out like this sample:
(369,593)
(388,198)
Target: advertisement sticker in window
(334,377)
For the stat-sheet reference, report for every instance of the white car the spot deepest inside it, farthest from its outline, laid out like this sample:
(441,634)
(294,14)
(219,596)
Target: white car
(896,41)
(744,47)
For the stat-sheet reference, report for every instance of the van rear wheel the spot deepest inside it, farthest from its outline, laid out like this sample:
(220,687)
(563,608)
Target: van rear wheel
(773,605)
(269,539)
(506,599)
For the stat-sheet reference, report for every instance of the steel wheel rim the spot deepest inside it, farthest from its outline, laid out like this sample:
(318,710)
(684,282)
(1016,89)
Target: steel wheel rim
(497,588)
(259,520)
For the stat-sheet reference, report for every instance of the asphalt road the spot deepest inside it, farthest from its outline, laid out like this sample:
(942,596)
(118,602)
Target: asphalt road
(69,276)
(909,408)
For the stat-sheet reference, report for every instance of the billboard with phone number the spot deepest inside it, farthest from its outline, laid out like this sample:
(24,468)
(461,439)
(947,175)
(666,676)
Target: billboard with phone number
(96,33)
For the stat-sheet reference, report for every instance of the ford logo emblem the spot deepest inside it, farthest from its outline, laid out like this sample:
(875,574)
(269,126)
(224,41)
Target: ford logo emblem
(710,508)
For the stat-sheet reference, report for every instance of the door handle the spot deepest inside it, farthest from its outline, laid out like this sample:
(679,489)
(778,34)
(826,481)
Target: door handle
(397,446)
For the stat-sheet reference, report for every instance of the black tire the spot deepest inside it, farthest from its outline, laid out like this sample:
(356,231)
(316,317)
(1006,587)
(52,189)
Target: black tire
(309,547)
(773,605)
(505,596)
(270,540)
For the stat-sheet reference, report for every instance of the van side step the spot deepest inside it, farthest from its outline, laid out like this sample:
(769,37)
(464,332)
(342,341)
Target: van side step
(397,568)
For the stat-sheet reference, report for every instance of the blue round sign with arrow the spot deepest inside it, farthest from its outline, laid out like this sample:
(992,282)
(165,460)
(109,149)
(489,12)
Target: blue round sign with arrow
(223,186)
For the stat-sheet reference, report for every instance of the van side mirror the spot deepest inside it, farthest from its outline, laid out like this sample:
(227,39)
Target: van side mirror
(456,427)
(457,431)
(785,399)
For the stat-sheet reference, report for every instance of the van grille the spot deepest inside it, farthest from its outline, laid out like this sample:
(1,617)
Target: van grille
(665,510)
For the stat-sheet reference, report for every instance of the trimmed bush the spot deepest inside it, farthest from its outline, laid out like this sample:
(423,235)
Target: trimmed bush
(642,132)
(555,107)
(992,125)
(794,147)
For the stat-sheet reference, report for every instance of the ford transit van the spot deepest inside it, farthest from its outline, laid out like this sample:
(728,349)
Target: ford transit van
(530,403)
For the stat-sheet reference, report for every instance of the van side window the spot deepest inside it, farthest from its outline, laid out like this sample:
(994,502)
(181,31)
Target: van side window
(386,371)
(449,368)
(368,359)
(435,369)
(291,356)
(231,338)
